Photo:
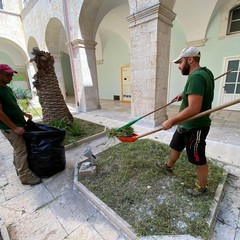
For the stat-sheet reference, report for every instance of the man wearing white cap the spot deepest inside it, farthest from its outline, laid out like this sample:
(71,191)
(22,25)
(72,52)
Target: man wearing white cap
(12,124)
(196,97)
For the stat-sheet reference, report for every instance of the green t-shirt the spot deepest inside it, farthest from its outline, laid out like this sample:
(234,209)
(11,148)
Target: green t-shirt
(10,108)
(201,82)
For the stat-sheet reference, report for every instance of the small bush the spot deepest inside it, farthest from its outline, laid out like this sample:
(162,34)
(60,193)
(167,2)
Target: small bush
(77,130)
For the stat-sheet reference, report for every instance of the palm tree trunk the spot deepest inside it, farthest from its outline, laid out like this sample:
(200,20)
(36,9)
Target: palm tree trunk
(50,97)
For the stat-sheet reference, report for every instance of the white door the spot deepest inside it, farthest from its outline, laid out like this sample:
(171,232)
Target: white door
(231,85)
(125,83)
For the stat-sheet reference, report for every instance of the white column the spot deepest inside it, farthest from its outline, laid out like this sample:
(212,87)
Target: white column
(150,31)
(86,74)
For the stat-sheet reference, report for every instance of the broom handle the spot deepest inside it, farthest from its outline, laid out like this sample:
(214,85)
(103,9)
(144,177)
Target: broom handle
(174,100)
(223,74)
(195,116)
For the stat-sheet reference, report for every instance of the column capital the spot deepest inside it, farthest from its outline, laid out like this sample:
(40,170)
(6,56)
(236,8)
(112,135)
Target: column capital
(81,43)
(154,12)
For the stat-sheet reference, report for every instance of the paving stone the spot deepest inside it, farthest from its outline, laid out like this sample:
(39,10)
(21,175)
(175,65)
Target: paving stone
(122,237)
(227,215)
(223,232)
(85,232)
(11,174)
(38,225)
(14,189)
(107,230)
(3,180)
(72,210)
(30,200)
(10,216)
(2,196)
(59,183)
(238,232)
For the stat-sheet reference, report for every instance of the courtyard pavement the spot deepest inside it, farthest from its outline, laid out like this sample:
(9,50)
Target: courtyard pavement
(56,210)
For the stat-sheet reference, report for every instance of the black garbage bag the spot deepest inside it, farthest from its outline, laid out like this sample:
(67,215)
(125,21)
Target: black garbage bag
(46,153)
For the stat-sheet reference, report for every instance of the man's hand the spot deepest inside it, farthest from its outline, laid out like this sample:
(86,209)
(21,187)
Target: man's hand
(178,97)
(28,115)
(19,130)
(167,124)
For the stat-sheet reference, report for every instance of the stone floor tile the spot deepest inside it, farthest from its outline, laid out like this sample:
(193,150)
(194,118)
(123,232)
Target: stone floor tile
(2,196)
(38,225)
(30,200)
(3,180)
(85,232)
(122,237)
(237,233)
(10,216)
(15,188)
(11,174)
(106,229)
(52,231)
(227,216)
(59,183)
(223,231)
(72,210)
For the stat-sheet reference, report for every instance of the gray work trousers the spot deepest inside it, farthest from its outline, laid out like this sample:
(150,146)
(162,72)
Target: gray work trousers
(19,154)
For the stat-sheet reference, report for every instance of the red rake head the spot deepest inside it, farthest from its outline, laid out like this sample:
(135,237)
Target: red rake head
(133,138)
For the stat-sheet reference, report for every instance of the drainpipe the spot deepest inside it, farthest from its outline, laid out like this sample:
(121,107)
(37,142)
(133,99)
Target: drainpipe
(65,6)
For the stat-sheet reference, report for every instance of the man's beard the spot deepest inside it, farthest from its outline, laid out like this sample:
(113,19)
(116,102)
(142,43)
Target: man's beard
(186,69)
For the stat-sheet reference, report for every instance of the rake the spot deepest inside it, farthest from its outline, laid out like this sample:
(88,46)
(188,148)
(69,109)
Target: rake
(139,118)
(135,136)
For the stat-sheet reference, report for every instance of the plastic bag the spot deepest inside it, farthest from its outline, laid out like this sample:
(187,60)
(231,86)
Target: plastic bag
(46,153)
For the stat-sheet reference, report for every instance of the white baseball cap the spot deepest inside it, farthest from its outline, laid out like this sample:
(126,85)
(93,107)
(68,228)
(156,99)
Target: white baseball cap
(188,52)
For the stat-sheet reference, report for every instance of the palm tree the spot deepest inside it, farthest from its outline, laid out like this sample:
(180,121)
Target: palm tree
(50,97)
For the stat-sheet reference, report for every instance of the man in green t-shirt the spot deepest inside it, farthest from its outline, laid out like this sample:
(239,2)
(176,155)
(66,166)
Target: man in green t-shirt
(12,124)
(196,97)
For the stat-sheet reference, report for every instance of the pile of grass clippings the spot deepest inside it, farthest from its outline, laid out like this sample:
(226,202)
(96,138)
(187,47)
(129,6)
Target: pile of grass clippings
(120,132)
(153,202)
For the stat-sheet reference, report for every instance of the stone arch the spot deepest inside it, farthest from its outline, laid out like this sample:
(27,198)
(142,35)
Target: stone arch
(56,39)
(88,26)
(13,55)
(55,36)
(14,52)
(107,25)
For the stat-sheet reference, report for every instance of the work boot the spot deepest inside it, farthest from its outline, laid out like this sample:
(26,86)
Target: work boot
(32,180)
(197,190)
(164,167)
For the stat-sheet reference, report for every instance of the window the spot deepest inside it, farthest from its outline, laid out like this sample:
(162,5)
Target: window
(1,4)
(232,83)
(234,20)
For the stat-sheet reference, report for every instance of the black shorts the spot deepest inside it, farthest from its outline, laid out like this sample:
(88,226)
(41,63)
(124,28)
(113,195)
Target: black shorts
(194,141)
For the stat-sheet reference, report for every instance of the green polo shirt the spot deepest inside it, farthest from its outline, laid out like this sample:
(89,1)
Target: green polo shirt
(200,82)
(10,108)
